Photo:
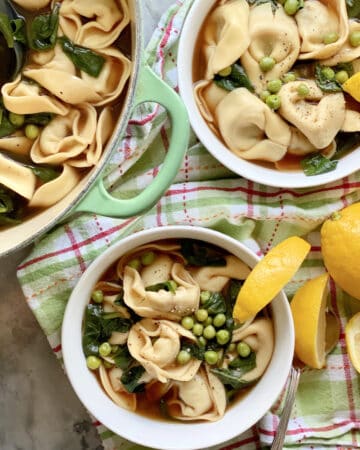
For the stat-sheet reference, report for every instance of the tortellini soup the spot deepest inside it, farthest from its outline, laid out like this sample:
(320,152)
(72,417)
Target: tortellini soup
(58,113)
(158,332)
(269,80)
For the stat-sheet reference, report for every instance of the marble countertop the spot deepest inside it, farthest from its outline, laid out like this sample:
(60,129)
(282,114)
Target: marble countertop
(39,410)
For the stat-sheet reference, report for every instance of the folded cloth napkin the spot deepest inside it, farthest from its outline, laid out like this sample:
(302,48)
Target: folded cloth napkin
(327,409)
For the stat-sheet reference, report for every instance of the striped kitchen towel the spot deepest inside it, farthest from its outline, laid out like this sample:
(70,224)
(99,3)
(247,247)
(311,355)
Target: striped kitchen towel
(327,409)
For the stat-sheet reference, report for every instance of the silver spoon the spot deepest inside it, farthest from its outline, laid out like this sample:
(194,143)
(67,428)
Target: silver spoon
(332,337)
(278,442)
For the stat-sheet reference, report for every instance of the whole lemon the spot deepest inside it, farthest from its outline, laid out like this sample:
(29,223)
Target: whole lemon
(340,246)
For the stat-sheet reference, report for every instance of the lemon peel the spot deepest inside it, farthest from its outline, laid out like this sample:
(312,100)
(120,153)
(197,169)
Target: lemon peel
(352,86)
(352,339)
(269,277)
(308,308)
(340,247)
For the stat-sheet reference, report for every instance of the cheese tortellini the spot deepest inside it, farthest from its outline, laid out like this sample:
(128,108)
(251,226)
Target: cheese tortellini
(171,345)
(271,88)
(61,109)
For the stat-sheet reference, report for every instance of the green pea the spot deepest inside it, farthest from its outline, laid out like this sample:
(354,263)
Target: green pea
(187,322)
(354,38)
(147,258)
(232,347)
(330,38)
(342,76)
(222,337)
(204,296)
(201,315)
(208,321)
(243,349)
(198,329)
(225,72)
(267,63)
(172,285)
(209,332)
(273,101)
(32,131)
(274,86)
(289,77)
(93,362)
(105,349)
(219,320)
(16,119)
(97,296)
(202,341)
(264,95)
(211,357)
(291,7)
(183,357)
(303,90)
(135,263)
(328,73)
(114,348)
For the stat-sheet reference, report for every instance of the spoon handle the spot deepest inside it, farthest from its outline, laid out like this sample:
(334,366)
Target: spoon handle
(285,416)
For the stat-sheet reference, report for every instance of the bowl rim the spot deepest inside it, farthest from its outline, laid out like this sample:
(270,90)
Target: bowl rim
(252,171)
(172,436)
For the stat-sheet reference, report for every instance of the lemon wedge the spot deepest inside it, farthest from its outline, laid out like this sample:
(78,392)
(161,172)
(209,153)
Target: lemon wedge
(308,308)
(269,276)
(352,338)
(352,86)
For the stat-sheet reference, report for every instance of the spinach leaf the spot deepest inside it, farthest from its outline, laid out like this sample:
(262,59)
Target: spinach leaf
(123,358)
(199,253)
(274,3)
(231,294)
(166,285)
(237,78)
(353,8)
(92,333)
(6,202)
(41,119)
(98,327)
(43,30)
(18,27)
(232,376)
(45,174)
(325,84)
(6,30)
(130,379)
(215,304)
(83,58)
(6,127)
(346,142)
(315,164)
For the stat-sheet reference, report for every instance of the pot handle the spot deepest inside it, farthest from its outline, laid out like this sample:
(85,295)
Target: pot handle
(150,88)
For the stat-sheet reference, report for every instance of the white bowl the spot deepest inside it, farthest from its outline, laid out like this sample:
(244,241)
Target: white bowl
(250,170)
(161,434)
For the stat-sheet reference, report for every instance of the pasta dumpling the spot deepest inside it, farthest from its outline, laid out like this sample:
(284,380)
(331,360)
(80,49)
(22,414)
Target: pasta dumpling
(161,303)
(317,19)
(226,36)
(32,5)
(93,24)
(319,116)
(77,138)
(201,398)
(156,344)
(347,52)
(250,128)
(272,34)
(17,177)
(59,76)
